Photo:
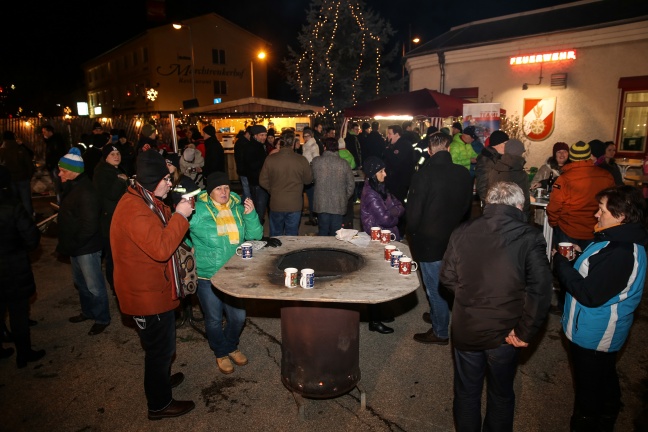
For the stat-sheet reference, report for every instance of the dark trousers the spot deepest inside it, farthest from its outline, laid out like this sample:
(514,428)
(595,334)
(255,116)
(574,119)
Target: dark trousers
(597,398)
(471,367)
(108,260)
(157,334)
(328,224)
(19,322)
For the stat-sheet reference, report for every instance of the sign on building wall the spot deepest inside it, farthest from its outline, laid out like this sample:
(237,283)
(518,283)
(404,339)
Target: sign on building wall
(484,116)
(539,118)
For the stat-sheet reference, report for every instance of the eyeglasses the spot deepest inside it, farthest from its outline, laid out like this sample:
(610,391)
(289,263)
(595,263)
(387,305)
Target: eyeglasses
(167,179)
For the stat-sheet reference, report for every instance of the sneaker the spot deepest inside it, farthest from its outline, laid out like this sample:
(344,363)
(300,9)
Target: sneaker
(225,365)
(430,338)
(238,358)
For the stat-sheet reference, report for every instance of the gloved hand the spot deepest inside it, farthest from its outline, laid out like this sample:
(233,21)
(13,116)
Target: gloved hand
(271,241)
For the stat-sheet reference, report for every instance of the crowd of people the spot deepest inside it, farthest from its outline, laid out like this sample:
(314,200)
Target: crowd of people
(123,205)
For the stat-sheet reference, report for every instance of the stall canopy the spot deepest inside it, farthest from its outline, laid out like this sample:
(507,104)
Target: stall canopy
(417,103)
(254,106)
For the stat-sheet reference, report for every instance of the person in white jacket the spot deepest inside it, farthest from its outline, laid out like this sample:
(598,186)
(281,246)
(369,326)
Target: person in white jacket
(191,164)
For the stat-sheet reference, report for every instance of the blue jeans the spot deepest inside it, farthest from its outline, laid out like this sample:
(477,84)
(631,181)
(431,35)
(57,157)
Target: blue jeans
(246,187)
(89,280)
(284,223)
(328,223)
(439,311)
(221,340)
(158,337)
(260,198)
(471,367)
(22,190)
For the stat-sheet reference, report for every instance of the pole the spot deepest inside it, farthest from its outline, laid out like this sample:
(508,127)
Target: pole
(193,65)
(252,76)
(174,133)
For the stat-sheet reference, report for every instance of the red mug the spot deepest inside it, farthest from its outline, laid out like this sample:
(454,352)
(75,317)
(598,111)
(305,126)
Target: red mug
(567,250)
(375,233)
(388,251)
(406,264)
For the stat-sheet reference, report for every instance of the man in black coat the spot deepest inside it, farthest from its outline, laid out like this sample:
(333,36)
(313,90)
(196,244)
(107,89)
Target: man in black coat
(214,152)
(254,157)
(438,199)
(374,144)
(18,236)
(80,239)
(497,268)
(352,143)
(399,162)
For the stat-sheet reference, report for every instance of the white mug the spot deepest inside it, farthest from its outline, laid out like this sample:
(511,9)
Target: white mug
(290,277)
(307,280)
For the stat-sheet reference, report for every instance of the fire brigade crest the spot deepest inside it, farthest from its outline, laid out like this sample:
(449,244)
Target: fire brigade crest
(539,117)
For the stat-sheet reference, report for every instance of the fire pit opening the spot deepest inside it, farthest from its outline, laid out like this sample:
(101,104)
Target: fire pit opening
(328,263)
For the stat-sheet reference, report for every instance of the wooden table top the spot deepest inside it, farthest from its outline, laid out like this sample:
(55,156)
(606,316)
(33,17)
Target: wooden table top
(260,278)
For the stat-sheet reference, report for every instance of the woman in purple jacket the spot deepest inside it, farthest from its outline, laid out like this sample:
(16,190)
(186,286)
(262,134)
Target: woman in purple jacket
(378,208)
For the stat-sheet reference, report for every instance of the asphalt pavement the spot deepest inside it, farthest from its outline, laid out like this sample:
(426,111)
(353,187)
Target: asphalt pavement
(95,383)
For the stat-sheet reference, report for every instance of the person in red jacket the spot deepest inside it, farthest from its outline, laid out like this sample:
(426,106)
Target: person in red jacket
(144,236)
(573,203)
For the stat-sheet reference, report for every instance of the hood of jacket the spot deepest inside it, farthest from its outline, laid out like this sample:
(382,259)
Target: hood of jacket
(626,233)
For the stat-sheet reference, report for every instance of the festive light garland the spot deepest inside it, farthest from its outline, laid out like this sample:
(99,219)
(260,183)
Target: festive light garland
(328,18)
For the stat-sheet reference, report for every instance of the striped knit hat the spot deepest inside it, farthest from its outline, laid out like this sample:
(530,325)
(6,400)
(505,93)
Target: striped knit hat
(579,151)
(72,161)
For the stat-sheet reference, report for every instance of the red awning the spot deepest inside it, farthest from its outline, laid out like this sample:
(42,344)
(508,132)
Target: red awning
(427,103)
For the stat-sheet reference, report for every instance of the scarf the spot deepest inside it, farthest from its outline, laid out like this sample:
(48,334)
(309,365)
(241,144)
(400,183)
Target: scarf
(225,222)
(157,207)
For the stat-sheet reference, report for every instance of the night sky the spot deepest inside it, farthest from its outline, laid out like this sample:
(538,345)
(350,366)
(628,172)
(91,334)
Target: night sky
(43,46)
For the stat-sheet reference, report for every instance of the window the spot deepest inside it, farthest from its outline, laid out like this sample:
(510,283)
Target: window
(134,58)
(633,116)
(145,55)
(218,56)
(220,87)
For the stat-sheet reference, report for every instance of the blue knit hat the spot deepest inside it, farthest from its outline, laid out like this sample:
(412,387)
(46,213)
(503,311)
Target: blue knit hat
(72,161)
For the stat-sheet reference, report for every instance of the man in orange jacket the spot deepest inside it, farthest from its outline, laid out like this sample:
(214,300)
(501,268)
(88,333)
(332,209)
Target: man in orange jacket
(572,204)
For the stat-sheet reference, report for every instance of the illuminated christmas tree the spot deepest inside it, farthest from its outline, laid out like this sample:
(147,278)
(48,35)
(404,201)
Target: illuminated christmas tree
(341,60)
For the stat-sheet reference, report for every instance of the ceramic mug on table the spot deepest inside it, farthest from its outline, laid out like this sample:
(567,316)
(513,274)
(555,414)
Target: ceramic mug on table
(386,236)
(566,249)
(389,249)
(307,280)
(375,233)
(290,277)
(406,265)
(245,250)
(395,259)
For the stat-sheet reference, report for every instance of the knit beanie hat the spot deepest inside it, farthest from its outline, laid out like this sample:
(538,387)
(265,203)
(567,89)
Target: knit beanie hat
(597,147)
(372,165)
(458,126)
(559,146)
(210,130)
(148,130)
(106,150)
(257,129)
(579,151)
(151,168)
(174,158)
(514,147)
(216,179)
(498,137)
(72,161)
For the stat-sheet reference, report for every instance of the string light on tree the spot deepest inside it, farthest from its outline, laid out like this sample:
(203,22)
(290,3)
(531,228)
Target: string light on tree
(340,57)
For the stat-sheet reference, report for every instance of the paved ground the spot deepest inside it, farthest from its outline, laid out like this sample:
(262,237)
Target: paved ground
(94,383)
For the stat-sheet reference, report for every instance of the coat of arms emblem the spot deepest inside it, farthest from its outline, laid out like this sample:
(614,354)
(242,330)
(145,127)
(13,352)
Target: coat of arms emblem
(539,117)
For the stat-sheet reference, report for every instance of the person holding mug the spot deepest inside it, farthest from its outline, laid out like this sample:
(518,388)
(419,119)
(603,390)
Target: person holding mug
(378,208)
(604,287)
(221,223)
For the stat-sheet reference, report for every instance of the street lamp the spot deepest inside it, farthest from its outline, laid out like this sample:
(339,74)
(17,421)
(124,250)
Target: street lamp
(261,55)
(179,26)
